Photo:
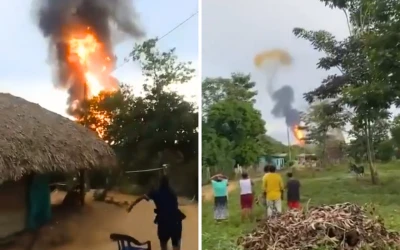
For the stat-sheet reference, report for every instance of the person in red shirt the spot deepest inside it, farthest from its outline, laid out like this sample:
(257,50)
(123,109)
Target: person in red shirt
(293,192)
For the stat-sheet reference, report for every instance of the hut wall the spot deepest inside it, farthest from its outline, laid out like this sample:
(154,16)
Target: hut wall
(13,209)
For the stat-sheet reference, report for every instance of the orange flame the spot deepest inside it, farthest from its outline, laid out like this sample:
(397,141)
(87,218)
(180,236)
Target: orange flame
(89,58)
(298,134)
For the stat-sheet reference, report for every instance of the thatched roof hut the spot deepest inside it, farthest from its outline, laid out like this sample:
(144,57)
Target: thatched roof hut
(36,140)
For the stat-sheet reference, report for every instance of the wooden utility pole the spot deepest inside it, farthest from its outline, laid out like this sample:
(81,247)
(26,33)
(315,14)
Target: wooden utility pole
(289,146)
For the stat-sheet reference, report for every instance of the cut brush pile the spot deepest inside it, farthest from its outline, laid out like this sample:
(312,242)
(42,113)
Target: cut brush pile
(339,226)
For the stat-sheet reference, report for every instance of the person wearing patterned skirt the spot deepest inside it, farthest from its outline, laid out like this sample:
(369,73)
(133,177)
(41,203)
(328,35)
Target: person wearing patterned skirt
(220,187)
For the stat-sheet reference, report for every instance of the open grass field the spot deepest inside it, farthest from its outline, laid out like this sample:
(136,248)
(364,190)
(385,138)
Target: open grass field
(334,185)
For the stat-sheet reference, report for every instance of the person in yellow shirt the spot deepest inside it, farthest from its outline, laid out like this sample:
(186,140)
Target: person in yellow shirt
(273,189)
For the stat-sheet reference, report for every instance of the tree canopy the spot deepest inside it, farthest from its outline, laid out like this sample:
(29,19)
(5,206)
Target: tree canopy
(231,124)
(155,128)
(366,64)
(319,119)
(234,132)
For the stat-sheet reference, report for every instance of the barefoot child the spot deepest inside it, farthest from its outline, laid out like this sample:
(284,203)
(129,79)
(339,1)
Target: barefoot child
(293,192)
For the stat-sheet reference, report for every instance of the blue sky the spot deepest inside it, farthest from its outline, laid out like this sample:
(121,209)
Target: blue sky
(25,73)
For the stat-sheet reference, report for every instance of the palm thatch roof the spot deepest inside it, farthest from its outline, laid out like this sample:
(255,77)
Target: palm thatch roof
(36,140)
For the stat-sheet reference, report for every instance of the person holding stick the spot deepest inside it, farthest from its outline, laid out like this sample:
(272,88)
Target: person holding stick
(168,215)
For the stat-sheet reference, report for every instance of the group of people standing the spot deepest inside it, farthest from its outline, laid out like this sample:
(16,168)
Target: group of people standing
(273,191)
(271,197)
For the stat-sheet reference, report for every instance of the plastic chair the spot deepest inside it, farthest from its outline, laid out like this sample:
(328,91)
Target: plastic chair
(126,242)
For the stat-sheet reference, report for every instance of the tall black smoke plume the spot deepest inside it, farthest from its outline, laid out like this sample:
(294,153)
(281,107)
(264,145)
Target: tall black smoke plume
(56,18)
(284,98)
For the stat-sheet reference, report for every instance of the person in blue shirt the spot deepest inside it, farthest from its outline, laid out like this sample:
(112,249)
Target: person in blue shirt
(168,216)
(219,184)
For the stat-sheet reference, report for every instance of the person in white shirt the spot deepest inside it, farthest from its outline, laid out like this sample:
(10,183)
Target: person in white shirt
(246,196)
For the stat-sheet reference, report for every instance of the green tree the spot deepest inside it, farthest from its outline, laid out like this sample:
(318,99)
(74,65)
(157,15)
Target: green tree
(381,45)
(216,151)
(385,151)
(266,145)
(233,130)
(238,87)
(395,131)
(360,85)
(379,130)
(321,118)
(240,123)
(157,128)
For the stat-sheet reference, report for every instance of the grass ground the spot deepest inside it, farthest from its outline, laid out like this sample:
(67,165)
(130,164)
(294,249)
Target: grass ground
(335,185)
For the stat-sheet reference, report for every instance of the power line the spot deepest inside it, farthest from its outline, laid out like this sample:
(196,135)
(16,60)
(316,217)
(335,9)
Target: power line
(126,59)
(143,170)
(164,167)
(179,25)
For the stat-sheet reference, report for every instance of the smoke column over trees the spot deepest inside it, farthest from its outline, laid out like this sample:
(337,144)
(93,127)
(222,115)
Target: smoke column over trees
(284,98)
(60,21)
(271,61)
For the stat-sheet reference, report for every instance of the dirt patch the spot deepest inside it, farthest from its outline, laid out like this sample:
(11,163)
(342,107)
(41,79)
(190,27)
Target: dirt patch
(91,227)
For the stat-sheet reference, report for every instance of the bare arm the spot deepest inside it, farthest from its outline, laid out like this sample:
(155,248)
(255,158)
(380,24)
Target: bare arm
(137,201)
(264,185)
(252,187)
(213,178)
(282,185)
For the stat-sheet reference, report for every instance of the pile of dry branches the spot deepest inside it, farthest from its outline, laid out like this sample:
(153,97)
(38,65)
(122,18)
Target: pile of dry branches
(339,226)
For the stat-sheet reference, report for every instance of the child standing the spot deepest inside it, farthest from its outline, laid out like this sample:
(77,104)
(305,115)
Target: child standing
(293,192)
(246,196)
